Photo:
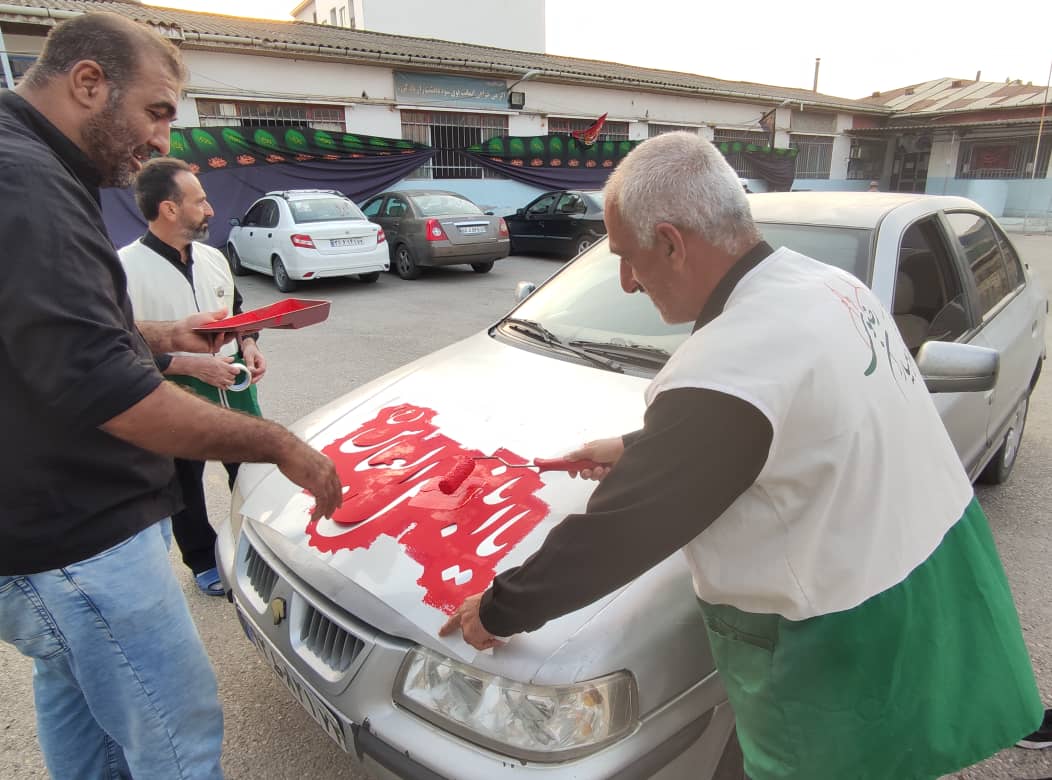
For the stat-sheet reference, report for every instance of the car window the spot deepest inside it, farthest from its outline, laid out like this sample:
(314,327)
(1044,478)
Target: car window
(983,253)
(585,301)
(254,215)
(334,209)
(271,214)
(396,207)
(372,208)
(597,198)
(845,248)
(441,205)
(1013,265)
(570,203)
(542,205)
(929,302)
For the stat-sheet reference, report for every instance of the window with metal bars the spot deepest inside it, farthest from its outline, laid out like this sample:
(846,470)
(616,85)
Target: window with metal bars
(814,157)
(866,159)
(20,63)
(1003,158)
(737,160)
(447,132)
(611,131)
(237,113)
(655,130)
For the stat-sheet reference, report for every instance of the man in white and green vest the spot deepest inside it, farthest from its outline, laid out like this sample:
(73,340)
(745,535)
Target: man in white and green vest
(856,606)
(172,274)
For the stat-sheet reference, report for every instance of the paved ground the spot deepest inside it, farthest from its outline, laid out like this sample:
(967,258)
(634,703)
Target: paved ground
(374,328)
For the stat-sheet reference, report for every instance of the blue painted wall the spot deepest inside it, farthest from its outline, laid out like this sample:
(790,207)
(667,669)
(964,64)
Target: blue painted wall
(501,196)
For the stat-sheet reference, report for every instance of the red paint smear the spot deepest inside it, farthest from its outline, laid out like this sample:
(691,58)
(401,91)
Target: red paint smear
(399,458)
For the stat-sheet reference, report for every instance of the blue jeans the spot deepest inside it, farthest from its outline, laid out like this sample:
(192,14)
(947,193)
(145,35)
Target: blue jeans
(121,682)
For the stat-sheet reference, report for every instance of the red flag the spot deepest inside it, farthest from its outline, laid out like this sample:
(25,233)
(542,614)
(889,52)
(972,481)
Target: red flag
(590,135)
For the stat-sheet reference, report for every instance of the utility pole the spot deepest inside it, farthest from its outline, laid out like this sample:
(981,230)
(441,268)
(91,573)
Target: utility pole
(1037,151)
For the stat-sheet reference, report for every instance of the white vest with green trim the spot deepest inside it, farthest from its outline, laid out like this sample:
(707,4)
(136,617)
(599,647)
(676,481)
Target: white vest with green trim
(160,292)
(862,481)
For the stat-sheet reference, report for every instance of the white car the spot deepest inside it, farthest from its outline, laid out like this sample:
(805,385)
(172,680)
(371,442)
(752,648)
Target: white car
(294,235)
(346,611)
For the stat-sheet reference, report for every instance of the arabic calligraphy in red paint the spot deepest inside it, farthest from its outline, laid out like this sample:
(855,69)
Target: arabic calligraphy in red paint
(390,468)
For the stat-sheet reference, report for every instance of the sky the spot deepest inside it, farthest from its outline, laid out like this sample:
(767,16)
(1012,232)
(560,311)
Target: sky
(864,47)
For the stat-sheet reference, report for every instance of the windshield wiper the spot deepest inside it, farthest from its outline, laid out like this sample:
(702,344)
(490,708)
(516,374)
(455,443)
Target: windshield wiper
(540,333)
(641,354)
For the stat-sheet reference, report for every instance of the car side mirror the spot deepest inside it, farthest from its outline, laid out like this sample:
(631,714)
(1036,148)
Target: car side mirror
(948,367)
(519,212)
(235,222)
(488,213)
(524,290)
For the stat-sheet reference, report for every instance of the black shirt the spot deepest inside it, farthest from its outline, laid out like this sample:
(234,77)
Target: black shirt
(697,452)
(70,359)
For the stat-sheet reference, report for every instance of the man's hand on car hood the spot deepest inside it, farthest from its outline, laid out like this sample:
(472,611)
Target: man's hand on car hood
(315,473)
(467,619)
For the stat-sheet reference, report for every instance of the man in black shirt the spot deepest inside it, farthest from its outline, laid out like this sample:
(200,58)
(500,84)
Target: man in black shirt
(121,681)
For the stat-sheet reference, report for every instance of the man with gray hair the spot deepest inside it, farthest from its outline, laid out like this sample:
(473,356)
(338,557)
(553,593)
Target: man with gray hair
(121,682)
(855,604)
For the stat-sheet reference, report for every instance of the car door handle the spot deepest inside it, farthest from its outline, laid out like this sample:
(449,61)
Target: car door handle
(270,235)
(252,232)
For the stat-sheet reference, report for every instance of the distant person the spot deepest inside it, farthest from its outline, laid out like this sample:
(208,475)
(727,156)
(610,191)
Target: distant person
(122,686)
(172,275)
(874,186)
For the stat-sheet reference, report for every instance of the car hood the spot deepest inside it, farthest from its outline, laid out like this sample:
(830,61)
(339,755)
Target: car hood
(400,555)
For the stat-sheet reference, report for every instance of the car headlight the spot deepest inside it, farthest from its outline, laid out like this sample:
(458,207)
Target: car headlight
(543,723)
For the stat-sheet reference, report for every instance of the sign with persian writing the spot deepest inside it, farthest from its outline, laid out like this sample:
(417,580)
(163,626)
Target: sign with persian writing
(462,91)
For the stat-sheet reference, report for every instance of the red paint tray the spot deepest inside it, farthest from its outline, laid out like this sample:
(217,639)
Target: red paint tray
(289,313)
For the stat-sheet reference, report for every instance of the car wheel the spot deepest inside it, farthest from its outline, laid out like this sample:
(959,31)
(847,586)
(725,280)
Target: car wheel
(482,268)
(583,242)
(281,276)
(405,264)
(369,278)
(1000,467)
(235,261)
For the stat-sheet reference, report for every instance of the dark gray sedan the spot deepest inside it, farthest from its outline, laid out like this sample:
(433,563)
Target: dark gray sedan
(563,222)
(436,227)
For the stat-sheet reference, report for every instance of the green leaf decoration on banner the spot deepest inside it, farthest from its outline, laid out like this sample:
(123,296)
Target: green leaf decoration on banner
(380,142)
(204,141)
(572,149)
(625,147)
(536,146)
(591,152)
(265,139)
(555,146)
(296,140)
(404,144)
(178,144)
(608,148)
(516,148)
(234,140)
(324,140)
(352,141)
(495,146)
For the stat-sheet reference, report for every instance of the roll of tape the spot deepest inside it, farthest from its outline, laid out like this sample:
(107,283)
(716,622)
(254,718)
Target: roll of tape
(237,387)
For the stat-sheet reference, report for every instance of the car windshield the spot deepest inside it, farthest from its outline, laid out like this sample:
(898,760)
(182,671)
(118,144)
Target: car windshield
(843,247)
(332,209)
(597,197)
(441,205)
(585,302)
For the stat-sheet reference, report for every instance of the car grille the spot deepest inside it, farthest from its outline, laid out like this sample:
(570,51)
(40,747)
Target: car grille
(329,643)
(260,576)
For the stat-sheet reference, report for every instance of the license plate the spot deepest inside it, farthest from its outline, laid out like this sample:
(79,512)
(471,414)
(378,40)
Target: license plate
(337,242)
(315,707)
(473,229)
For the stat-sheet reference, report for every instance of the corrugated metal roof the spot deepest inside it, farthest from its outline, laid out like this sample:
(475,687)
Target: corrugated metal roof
(923,126)
(308,40)
(942,95)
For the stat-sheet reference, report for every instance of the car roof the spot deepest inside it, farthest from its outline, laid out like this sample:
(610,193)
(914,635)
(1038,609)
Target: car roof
(414,193)
(842,209)
(303,194)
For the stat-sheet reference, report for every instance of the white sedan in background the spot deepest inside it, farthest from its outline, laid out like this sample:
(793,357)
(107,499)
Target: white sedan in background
(295,235)
(346,611)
